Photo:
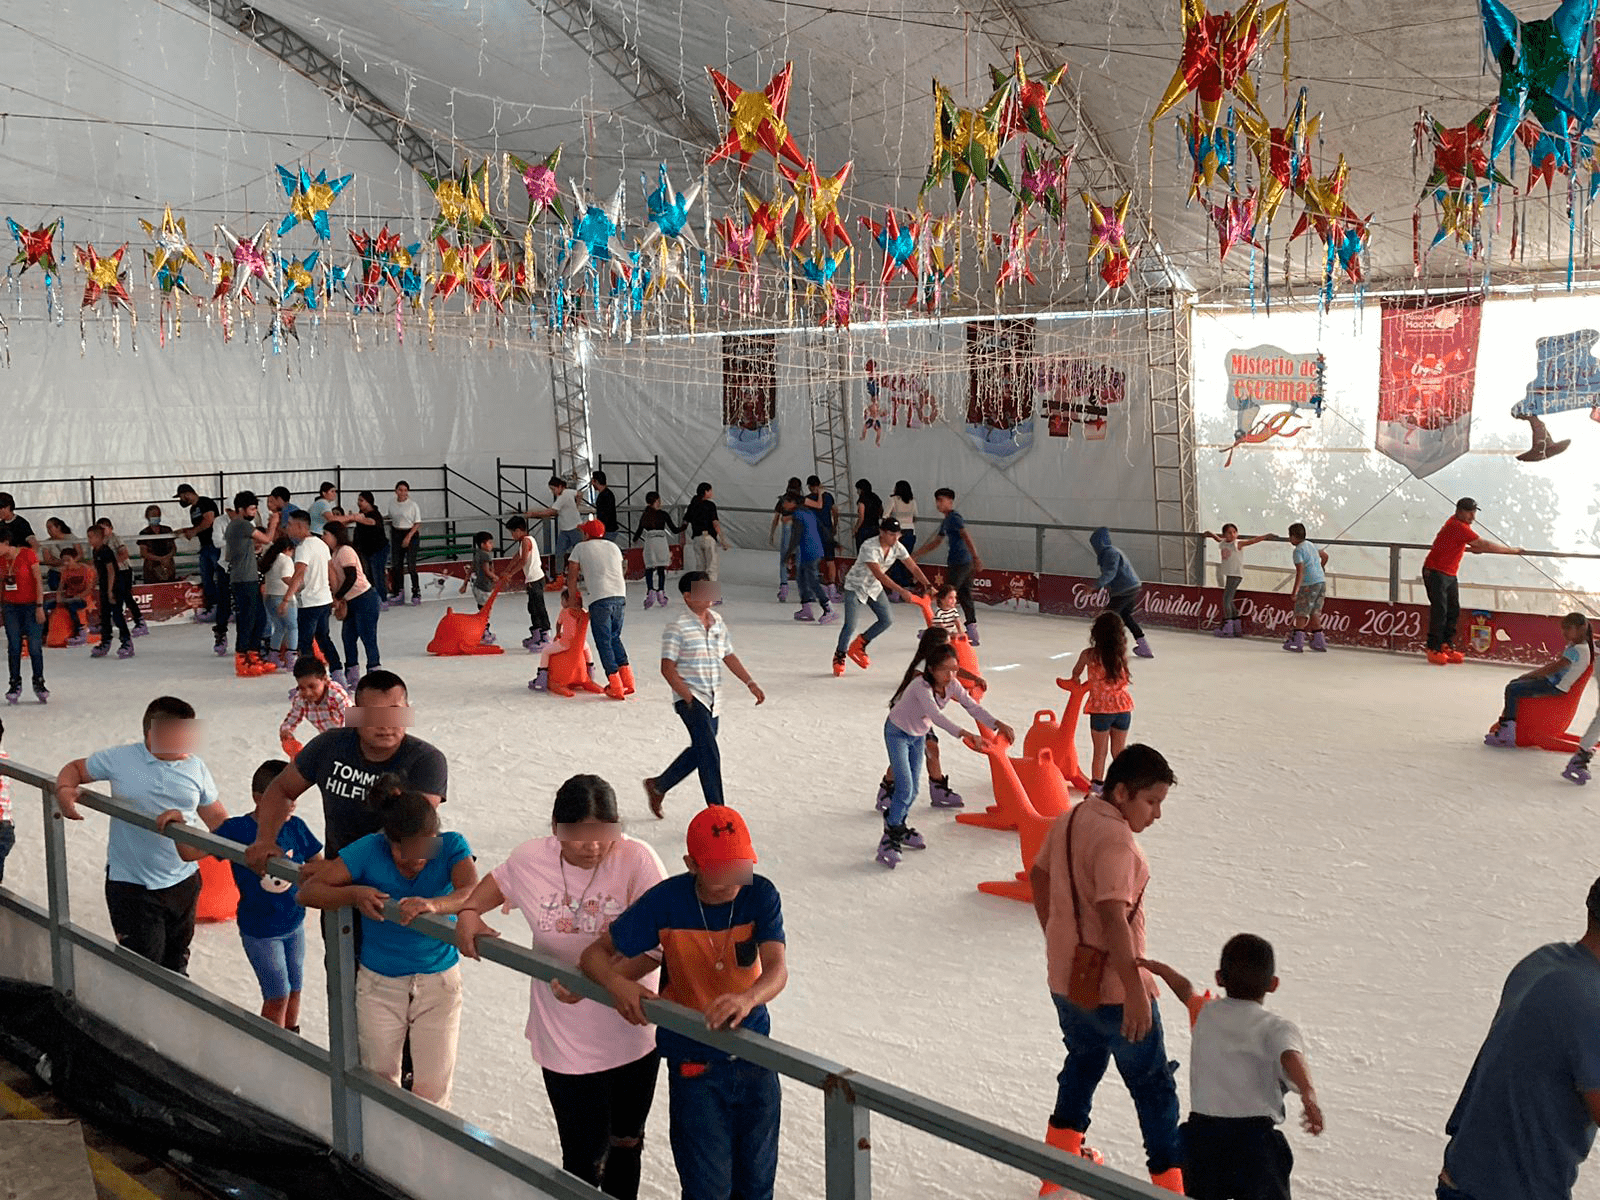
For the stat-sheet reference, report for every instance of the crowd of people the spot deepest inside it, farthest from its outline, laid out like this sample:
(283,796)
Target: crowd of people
(713,938)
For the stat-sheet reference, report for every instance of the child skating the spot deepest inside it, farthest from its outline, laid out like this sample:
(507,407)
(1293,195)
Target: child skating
(317,699)
(1232,548)
(1555,678)
(864,587)
(567,624)
(806,547)
(655,523)
(1310,587)
(946,612)
(1122,586)
(1242,1060)
(1108,704)
(525,558)
(940,794)
(918,705)
(105,571)
(481,579)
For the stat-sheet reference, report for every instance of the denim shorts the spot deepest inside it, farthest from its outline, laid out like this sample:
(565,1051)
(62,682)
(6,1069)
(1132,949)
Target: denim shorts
(1103,722)
(277,961)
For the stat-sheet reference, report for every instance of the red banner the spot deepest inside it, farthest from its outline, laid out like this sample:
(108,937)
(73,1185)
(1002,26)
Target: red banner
(1427,368)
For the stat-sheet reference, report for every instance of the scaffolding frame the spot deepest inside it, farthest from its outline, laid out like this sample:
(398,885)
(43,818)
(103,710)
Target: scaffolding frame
(1167,323)
(570,396)
(830,414)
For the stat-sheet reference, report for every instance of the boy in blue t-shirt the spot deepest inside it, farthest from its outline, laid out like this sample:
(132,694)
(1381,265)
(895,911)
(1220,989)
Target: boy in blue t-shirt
(805,544)
(270,920)
(1310,585)
(720,931)
(962,563)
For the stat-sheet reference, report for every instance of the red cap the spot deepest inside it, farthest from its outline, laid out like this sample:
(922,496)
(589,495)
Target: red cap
(718,836)
(593,529)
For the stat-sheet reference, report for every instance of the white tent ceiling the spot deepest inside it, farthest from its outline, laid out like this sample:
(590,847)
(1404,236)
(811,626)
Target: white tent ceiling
(482,77)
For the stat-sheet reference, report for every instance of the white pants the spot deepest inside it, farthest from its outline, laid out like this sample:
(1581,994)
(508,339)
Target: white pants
(706,554)
(428,1008)
(1591,735)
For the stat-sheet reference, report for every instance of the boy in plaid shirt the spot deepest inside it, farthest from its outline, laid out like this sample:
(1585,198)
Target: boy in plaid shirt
(316,699)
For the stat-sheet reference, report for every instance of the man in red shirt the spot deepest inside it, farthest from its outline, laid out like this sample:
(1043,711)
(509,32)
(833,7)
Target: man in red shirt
(22,603)
(1439,569)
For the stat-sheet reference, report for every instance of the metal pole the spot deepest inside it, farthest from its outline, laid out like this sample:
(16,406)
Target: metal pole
(1038,550)
(92,504)
(62,976)
(499,496)
(846,1142)
(1394,574)
(344,1053)
(449,529)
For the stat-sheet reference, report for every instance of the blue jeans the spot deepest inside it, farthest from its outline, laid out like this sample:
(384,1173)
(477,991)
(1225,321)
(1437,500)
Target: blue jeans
(378,571)
(703,754)
(247,617)
(313,623)
(785,528)
(725,1129)
(565,541)
(22,621)
(810,580)
(361,621)
(210,575)
(605,622)
(1093,1040)
(853,604)
(905,759)
(1519,690)
(282,632)
(277,961)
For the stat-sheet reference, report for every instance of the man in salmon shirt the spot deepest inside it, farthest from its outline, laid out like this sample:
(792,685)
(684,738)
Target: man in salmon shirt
(720,931)
(1439,569)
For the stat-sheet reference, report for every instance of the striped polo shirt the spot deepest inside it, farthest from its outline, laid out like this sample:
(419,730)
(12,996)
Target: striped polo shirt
(698,652)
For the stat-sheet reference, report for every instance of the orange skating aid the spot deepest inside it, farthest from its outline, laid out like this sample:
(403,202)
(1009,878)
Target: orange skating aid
(1032,811)
(219,895)
(1542,721)
(570,667)
(1061,736)
(462,633)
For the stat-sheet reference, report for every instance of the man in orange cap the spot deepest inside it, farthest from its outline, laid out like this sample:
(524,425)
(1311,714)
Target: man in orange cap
(719,927)
(604,592)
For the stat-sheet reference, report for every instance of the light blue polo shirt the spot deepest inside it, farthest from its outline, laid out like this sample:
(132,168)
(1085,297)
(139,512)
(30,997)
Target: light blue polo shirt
(1308,557)
(151,786)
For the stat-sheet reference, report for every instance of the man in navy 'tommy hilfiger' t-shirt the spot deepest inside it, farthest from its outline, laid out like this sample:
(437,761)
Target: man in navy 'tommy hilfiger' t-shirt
(1527,1113)
(720,931)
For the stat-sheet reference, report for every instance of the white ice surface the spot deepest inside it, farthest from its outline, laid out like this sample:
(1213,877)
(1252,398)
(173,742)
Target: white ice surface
(1339,805)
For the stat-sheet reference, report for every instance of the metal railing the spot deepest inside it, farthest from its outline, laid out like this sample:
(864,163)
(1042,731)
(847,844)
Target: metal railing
(849,1098)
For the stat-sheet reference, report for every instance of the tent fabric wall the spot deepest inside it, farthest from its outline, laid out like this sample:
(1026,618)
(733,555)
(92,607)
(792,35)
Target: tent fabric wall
(664,397)
(1332,478)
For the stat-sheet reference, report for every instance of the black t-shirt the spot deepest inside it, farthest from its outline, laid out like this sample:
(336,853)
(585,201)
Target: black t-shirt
(333,761)
(701,516)
(369,539)
(161,548)
(605,509)
(869,527)
(197,513)
(18,528)
(104,556)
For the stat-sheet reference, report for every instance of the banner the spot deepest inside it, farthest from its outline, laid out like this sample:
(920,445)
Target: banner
(1426,372)
(1000,380)
(1078,391)
(895,399)
(750,394)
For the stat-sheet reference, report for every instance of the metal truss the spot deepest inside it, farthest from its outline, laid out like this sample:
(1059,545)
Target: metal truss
(830,415)
(279,40)
(574,453)
(652,91)
(1177,499)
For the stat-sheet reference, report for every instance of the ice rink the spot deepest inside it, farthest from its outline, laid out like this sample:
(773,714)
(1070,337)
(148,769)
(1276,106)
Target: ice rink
(1340,805)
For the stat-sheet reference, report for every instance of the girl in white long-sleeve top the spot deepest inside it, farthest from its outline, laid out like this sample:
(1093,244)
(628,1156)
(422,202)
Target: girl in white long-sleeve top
(918,705)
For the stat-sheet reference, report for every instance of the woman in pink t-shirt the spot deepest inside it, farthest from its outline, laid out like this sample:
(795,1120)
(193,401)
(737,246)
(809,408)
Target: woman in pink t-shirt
(1088,887)
(355,601)
(599,1071)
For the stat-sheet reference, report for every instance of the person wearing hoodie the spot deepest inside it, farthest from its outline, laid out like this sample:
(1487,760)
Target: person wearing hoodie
(1122,585)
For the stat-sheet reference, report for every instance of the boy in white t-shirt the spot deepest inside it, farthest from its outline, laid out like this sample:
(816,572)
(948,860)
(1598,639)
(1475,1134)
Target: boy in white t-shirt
(864,587)
(1242,1059)
(1232,548)
(525,558)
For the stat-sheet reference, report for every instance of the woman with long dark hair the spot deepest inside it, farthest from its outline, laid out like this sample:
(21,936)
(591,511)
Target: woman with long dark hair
(599,1071)
(869,512)
(283,634)
(354,602)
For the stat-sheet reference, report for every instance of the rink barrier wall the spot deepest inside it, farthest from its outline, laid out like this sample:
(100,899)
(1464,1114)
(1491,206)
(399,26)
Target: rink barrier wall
(369,1122)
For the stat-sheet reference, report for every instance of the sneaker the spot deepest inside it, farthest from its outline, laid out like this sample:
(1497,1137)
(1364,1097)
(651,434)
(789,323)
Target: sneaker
(858,653)
(889,849)
(125,650)
(805,613)
(783,594)
(838,664)
(1577,768)
(829,616)
(1503,735)
(1438,658)
(101,650)
(940,795)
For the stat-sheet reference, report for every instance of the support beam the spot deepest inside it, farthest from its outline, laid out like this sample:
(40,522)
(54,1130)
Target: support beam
(279,40)
(574,452)
(1175,483)
(1098,168)
(661,98)
(830,414)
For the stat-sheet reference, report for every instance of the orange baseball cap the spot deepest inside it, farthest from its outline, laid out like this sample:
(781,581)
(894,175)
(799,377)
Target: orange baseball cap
(593,529)
(718,836)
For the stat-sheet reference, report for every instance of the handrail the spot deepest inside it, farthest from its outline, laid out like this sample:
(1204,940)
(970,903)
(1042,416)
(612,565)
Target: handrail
(848,1096)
